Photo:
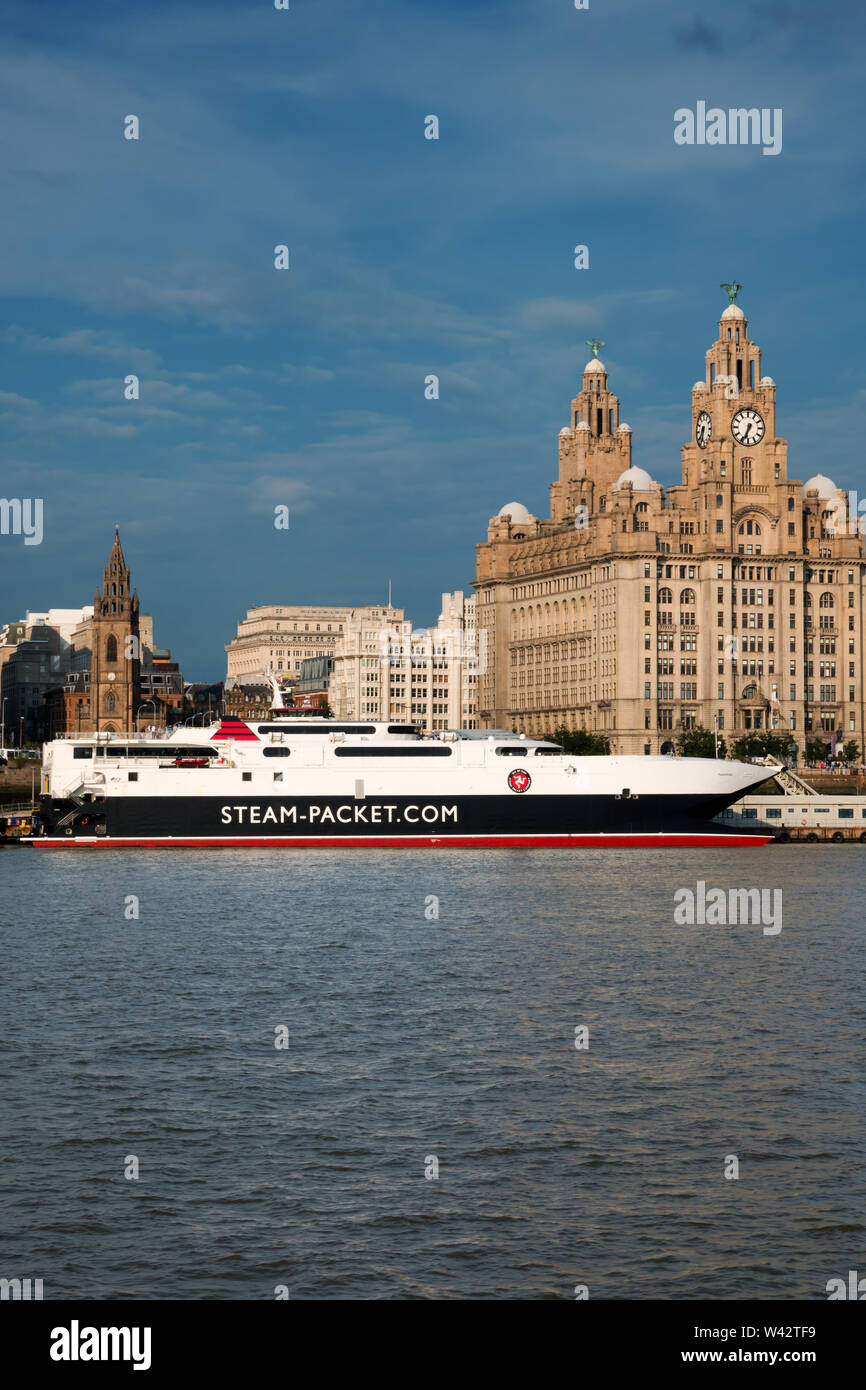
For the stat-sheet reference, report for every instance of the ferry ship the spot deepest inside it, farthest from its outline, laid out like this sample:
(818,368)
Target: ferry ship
(302,781)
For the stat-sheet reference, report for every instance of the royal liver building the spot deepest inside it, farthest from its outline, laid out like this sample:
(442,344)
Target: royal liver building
(733,600)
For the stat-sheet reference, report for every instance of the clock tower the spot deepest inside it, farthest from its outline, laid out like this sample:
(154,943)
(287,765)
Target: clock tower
(115,661)
(734,417)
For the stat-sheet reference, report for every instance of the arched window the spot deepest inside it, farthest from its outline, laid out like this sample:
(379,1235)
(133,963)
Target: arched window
(110,702)
(665,596)
(111,649)
(750,692)
(687,596)
(826,600)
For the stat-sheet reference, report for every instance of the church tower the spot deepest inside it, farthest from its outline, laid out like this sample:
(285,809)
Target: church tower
(115,663)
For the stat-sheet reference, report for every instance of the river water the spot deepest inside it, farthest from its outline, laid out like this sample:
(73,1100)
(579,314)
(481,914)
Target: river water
(327,1089)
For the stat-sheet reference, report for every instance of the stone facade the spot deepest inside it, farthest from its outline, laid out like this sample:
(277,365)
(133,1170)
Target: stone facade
(252,701)
(385,669)
(280,638)
(34,654)
(734,599)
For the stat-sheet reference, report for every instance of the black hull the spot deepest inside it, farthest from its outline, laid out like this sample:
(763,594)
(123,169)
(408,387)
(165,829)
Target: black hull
(483,820)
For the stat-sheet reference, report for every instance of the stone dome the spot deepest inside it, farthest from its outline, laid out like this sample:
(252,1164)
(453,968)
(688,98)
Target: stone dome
(566,429)
(767,381)
(623,428)
(638,477)
(582,425)
(825,487)
(733,311)
(515,510)
(699,386)
(595,366)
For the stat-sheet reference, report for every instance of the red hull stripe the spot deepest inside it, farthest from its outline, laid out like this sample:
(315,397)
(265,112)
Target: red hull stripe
(660,841)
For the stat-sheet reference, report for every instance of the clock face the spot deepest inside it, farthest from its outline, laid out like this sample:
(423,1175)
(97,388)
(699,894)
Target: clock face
(703,429)
(111,675)
(747,427)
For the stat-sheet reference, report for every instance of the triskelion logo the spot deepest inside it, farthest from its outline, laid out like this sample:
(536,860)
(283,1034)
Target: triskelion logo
(519,779)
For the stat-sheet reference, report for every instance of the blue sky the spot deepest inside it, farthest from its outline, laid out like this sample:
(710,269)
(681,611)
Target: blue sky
(408,257)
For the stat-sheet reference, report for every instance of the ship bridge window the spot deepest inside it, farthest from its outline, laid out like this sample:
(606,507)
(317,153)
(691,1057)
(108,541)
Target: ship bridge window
(276,752)
(156,750)
(520,751)
(401,729)
(82,753)
(324,728)
(548,750)
(401,751)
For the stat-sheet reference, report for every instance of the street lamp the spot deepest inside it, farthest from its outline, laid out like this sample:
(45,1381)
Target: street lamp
(141,707)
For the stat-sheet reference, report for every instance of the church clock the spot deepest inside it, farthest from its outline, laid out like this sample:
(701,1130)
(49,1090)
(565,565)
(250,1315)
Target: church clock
(747,427)
(703,429)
